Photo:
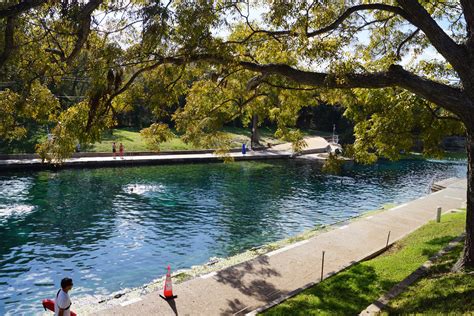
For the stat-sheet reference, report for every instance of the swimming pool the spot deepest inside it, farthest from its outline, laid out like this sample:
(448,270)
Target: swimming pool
(114,228)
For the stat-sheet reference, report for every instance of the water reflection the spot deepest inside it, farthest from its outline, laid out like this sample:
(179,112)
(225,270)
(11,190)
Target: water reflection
(115,228)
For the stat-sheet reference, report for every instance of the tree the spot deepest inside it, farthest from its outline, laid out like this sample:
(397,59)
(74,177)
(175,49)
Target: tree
(371,57)
(402,27)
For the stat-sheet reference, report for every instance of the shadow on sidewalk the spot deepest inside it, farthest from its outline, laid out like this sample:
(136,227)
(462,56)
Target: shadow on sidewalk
(250,279)
(172,304)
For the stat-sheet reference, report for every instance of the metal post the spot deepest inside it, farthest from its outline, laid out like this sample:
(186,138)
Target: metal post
(334,133)
(322,266)
(388,239)
(438,214)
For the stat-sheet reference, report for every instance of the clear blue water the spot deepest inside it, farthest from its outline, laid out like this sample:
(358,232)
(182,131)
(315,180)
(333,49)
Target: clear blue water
(120,227)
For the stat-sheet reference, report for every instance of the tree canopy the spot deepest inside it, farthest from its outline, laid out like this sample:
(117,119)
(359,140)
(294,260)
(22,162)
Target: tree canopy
(232,61)
(403,69)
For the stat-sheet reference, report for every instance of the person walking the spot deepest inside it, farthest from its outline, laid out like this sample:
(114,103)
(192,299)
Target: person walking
(62,303)
(121,149)
(114,149)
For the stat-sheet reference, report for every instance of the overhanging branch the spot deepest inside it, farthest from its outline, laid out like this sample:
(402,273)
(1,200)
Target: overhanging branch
(413,12)
(334,25)
(8,45)
(452,99)
(83,30)
(21,7)
(468,10)
(363,7)
(442,42)
(406,40)
(435,115)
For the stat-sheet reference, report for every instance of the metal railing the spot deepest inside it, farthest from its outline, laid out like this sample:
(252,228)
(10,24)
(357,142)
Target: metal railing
(334,139)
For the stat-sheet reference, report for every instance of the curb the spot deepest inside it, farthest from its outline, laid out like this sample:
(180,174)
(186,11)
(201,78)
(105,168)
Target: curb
(372,255)
(325,276)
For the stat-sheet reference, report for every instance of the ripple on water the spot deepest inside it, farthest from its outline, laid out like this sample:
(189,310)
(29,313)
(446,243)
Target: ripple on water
(114,228)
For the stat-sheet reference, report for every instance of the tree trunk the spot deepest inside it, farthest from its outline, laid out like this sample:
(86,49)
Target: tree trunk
(467,259)
(254,140)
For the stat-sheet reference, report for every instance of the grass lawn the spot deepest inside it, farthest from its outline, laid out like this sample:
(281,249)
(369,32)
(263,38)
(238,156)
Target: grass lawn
(440,292)
(133,141)
(352,290)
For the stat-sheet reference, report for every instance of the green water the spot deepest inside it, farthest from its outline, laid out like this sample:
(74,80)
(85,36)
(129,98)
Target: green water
(120,227)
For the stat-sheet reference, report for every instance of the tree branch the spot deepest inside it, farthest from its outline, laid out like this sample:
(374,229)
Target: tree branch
(368,23)
(406,40)
(410,10)
(21,7)
(450,98)
(83,30)
(8,45)
(334,25)
(468,10)
(442,117)
(363,7)
(442,42)
(287,87)
(133,78)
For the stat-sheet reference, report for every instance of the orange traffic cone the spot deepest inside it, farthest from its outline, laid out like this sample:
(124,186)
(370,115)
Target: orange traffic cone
(168,291)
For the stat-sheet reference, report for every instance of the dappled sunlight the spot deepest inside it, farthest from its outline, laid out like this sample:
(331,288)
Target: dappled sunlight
(352,290)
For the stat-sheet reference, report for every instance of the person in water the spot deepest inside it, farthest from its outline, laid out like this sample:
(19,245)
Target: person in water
(121,148)
(62,303)
(114,149)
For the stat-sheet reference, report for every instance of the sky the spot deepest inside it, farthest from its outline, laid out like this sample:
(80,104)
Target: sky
(256,12)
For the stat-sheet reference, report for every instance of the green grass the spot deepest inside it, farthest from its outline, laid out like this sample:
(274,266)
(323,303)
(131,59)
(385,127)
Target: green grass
(133,141)
(440,292)
(352,290)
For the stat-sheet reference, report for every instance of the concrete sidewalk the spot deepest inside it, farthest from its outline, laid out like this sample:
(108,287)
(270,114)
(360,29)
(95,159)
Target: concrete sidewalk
(270,278)
(85,162)
(315,145)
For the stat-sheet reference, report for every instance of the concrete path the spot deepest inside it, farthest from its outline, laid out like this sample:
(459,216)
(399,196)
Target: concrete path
(312,142)
(283,151)
(270,278)
(142,160)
